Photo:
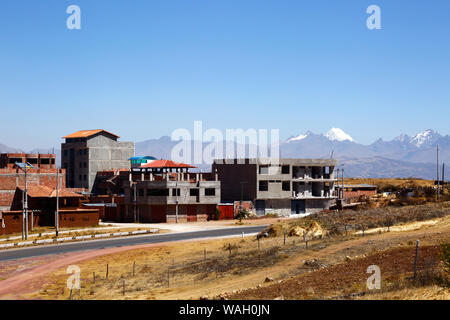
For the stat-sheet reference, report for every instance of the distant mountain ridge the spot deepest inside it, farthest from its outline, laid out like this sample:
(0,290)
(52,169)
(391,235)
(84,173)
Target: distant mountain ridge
(404,156)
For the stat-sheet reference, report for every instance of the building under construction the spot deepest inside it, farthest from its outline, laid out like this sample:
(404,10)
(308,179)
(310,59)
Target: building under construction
(291,186)
(43,173)
(158,191)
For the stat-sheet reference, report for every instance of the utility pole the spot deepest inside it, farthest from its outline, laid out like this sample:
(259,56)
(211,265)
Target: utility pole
(338,184)
(57,204)
(26,205)
(23,215)
(437,170)
(24,167)
(176,198)
(342,182)
(135,200)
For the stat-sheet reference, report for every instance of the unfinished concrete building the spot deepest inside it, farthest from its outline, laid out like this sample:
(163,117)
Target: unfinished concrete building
(37,160)
(86,152)
(43,173)
(293,186)
(153,192)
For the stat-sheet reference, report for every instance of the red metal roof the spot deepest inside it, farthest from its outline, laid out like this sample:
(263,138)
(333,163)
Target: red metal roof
(87,133)
(166,164)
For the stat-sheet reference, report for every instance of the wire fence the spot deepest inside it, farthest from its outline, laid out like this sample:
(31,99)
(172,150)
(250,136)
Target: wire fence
(203,266)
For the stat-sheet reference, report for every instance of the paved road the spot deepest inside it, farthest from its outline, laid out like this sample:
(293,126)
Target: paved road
(13,254)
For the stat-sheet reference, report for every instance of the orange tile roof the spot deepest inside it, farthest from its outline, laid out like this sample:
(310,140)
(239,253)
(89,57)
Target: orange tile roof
(166,164)
(87,133)
(47,192)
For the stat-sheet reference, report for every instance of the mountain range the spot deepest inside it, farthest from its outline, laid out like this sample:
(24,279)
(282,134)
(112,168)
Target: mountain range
(404,156)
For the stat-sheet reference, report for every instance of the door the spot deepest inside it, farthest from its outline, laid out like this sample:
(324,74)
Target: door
(298,206)
(260,206)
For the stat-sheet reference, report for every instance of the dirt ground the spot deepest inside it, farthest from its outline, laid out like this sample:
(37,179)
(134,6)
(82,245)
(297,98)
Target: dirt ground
(47,279)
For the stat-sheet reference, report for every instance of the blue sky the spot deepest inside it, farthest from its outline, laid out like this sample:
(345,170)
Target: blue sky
(144,68)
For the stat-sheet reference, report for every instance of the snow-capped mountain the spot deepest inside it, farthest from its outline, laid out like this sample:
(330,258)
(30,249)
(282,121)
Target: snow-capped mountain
(426,137)
(336,134)
(299,137)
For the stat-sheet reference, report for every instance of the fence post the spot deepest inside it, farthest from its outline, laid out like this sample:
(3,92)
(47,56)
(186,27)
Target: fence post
(107,271)
(415,259)
(94,277)
(168,277)
(134,267)
(284,240)
(229,248)
(258,244)
(306,244)
(123,287)
(204,253)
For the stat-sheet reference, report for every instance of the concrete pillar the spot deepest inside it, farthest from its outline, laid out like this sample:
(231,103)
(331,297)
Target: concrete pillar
(151,176)
(142,176)
(130,176)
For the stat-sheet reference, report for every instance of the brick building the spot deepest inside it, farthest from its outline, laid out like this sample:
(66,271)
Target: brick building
(42,208)
(43,174)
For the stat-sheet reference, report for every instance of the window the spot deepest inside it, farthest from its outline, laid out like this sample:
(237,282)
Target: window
(157,192)
(286,186)
(85,165)
(79,177)
(193,192)
(210,192)
(263,186)
(263,169)
(175,192)
(85,177)
(65,152)
(285,169)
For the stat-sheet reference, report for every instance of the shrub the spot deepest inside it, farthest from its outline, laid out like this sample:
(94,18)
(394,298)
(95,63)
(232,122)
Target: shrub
(444,254)
(242,214)
(217,214)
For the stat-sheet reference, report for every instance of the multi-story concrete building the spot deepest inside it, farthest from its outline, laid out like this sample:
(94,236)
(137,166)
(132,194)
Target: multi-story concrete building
(154,194)
(86,152)
(293,186)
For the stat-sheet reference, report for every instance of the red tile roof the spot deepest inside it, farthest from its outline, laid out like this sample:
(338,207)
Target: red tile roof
(47,192)
(166,164)
(87,133)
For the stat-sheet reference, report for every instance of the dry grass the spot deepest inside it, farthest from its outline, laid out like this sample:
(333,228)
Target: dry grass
(192,276)
(391,185)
